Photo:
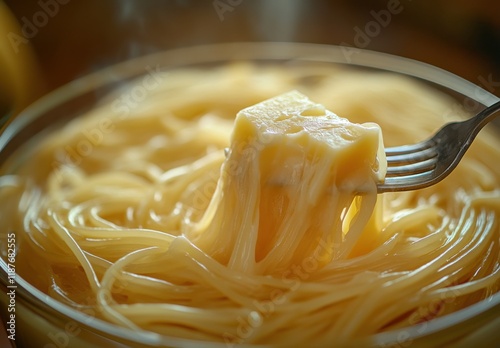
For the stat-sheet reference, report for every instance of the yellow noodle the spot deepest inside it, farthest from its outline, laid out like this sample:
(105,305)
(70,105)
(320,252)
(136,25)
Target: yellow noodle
(135,225)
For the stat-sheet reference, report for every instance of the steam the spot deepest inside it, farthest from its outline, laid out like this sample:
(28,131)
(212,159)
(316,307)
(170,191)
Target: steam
(277,20)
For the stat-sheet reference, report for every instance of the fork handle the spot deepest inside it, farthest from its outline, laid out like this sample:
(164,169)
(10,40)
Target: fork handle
(484,117)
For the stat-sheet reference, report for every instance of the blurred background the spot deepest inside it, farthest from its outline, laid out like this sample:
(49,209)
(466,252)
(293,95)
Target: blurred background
(47,43)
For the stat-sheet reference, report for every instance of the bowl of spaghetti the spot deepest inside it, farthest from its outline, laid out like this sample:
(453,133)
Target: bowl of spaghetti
(153,204)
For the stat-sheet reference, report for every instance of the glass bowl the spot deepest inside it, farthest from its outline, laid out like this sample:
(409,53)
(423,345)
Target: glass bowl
(44,322)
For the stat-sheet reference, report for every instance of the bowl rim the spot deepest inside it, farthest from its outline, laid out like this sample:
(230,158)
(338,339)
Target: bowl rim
(220,53)
(191,55)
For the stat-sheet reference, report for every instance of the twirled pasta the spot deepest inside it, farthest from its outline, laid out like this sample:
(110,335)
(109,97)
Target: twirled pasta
(103,210)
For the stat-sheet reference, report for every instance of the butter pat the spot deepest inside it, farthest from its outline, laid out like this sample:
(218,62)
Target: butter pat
(298,183)
(293,128)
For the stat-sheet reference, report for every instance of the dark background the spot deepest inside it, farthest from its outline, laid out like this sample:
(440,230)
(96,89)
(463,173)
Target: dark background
(76,37)
(81,36)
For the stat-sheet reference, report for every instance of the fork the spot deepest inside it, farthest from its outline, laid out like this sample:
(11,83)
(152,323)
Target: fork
(411,167)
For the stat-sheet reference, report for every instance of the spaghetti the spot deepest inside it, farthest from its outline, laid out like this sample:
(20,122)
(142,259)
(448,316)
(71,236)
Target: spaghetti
(120,213)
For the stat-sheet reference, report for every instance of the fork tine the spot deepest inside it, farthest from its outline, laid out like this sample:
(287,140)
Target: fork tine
(404,149)
(408,182)
(412,168)
(410,157)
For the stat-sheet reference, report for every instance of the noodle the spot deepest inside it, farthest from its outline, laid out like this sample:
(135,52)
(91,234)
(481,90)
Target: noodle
(127,211)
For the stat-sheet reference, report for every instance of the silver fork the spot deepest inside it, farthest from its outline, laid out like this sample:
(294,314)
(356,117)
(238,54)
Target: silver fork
(411,167)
